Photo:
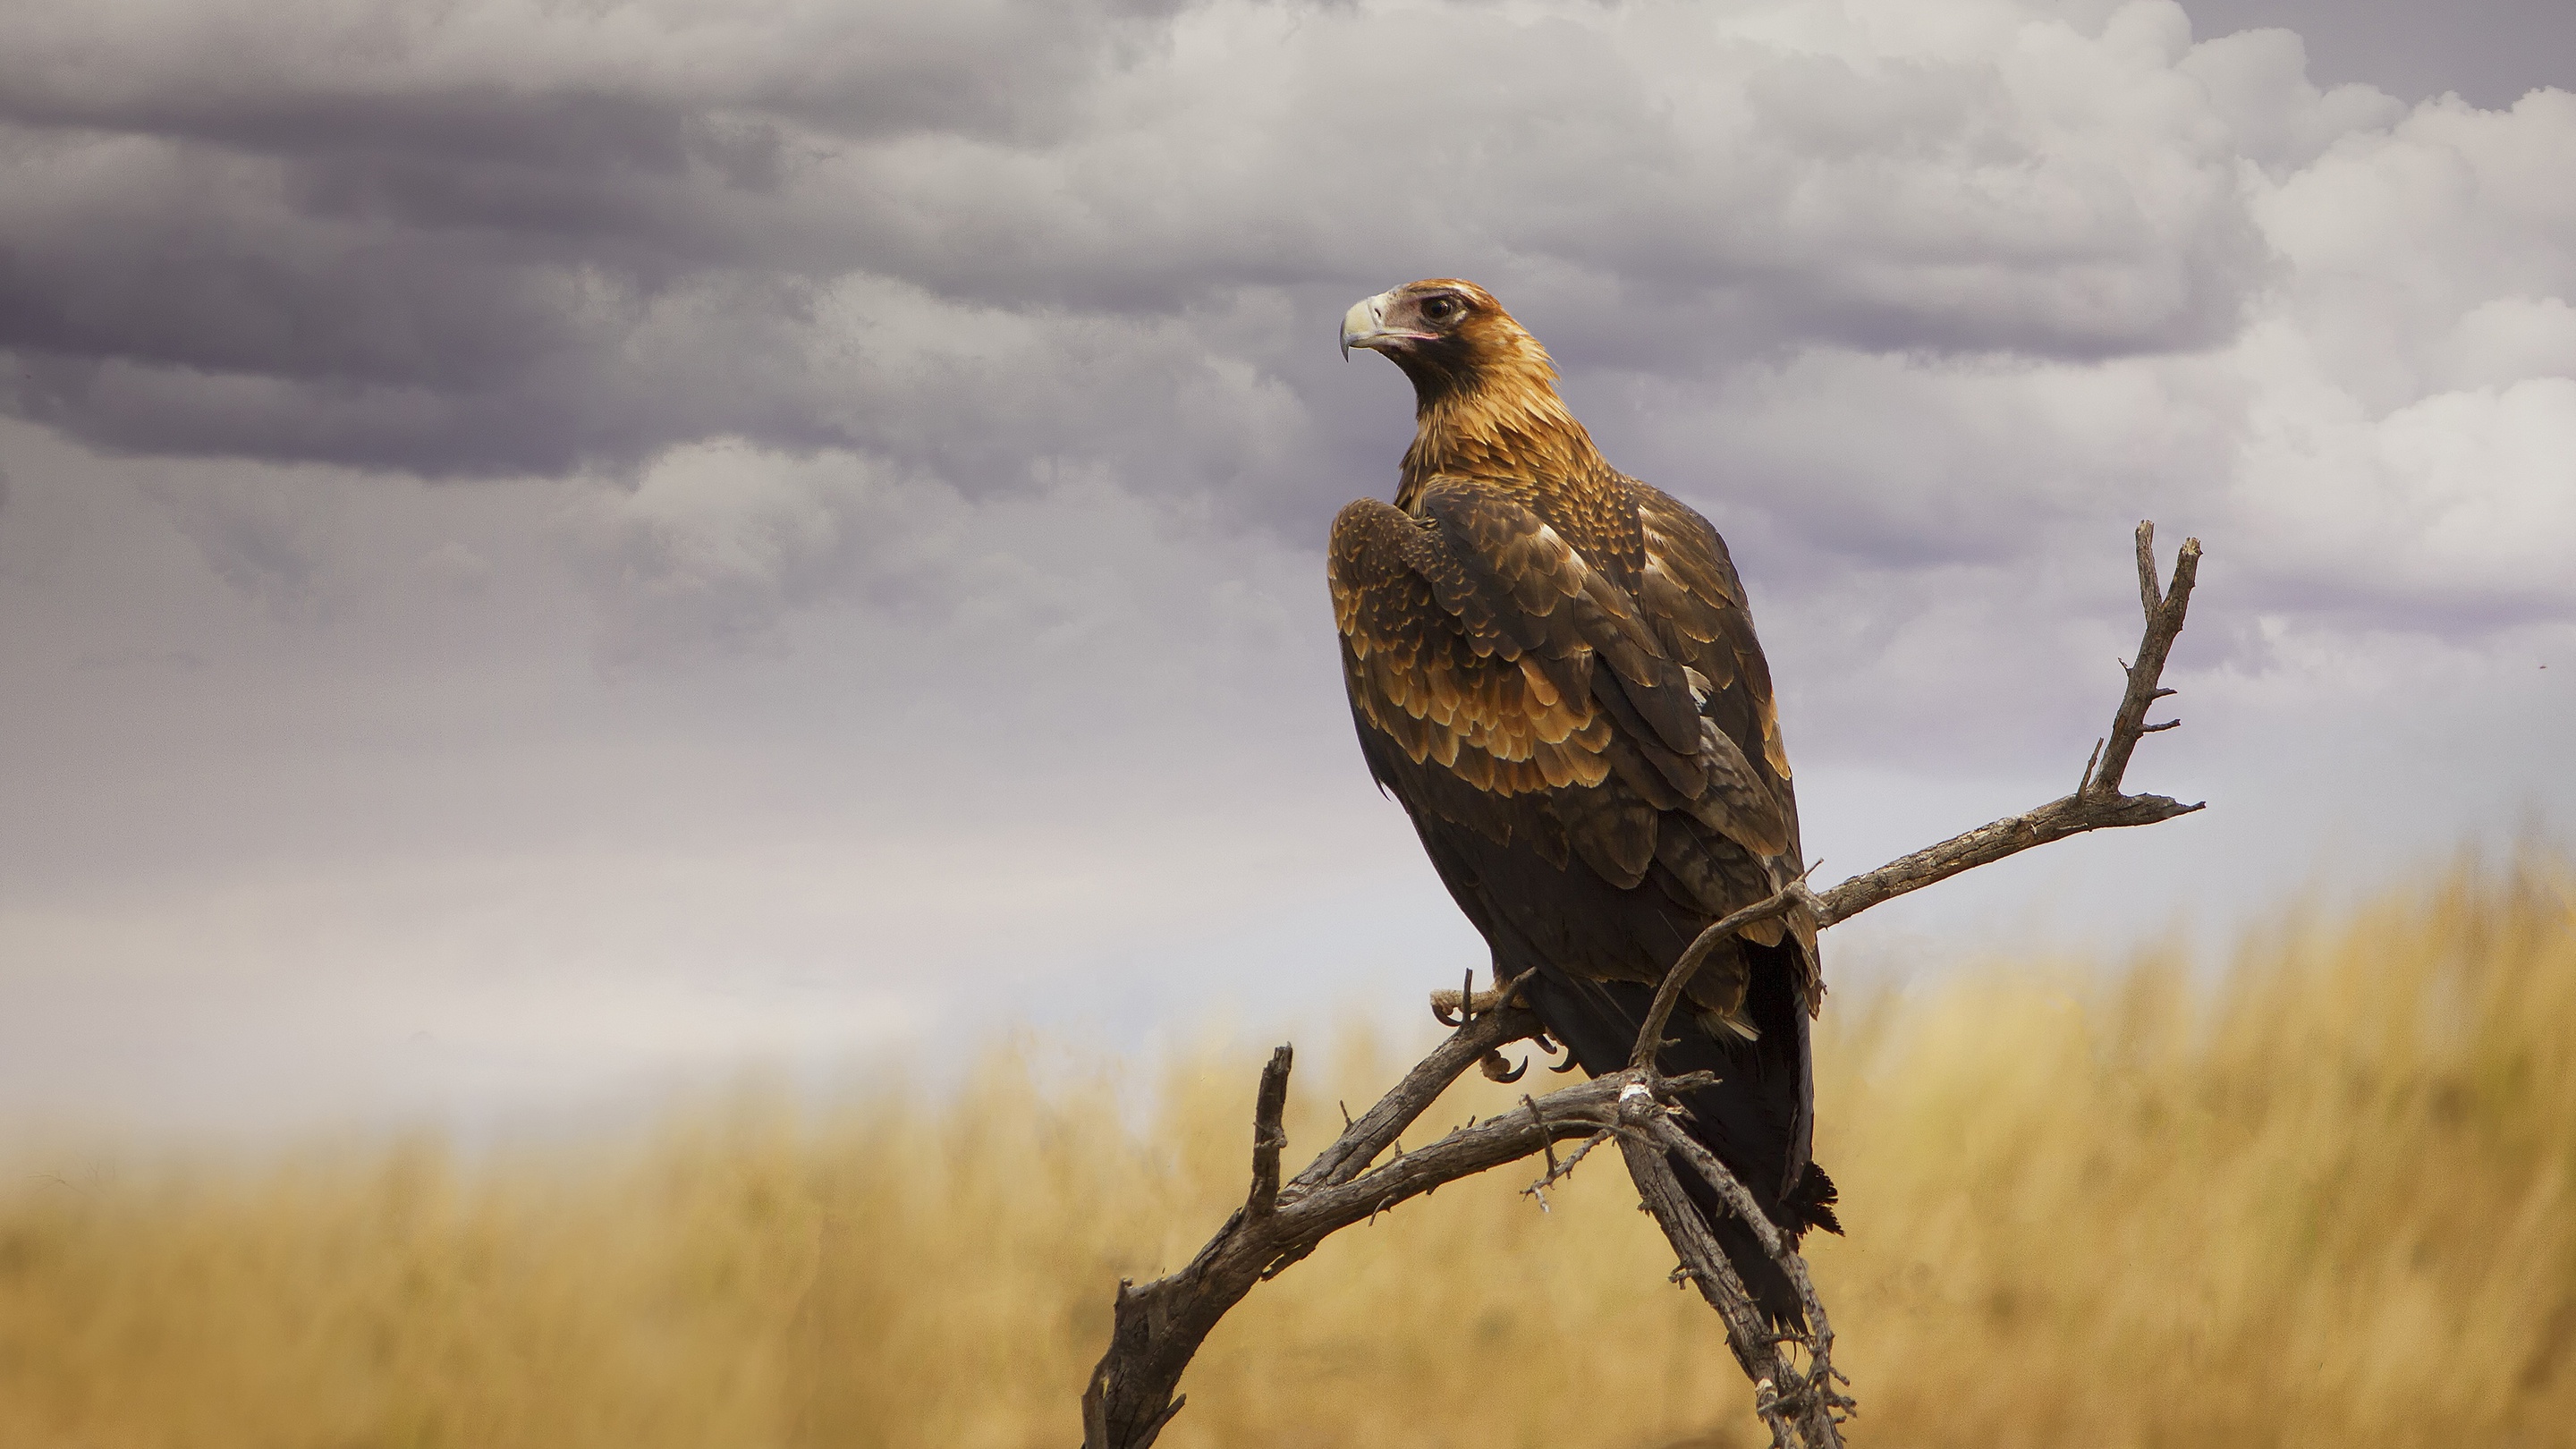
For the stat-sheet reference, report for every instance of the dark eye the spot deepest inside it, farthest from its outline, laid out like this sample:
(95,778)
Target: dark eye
(1441,309)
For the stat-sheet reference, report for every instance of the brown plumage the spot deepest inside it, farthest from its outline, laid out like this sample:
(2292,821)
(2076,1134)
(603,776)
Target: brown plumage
(1552,667)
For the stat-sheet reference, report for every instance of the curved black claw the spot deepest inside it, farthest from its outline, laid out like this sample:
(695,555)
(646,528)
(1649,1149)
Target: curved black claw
(1568,1065)
(1498,1070)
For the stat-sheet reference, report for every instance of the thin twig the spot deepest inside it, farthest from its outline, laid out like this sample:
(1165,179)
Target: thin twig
(1269,1137)
(1556,1171)
(2164,620)
(1650,1038)
(2150,599)
(1538,1119)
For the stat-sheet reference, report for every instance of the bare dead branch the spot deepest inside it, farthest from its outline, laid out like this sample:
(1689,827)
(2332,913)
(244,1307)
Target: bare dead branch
(2097,803)
(1157,1328)
(2056,820)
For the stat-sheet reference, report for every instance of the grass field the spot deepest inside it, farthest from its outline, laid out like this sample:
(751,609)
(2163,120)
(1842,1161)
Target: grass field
(2330,1201)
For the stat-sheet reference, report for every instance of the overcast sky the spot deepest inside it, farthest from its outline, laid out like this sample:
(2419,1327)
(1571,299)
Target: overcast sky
(552,548)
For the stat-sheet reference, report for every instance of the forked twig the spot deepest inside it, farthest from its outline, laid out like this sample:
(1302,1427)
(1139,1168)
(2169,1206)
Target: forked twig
(1557,1171)
(2097,803)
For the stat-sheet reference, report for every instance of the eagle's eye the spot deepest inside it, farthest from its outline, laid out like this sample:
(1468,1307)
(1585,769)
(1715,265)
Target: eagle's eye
(1441,309)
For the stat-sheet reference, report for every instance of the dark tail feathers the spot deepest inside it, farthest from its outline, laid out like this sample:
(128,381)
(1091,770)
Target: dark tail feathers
(1810,1204)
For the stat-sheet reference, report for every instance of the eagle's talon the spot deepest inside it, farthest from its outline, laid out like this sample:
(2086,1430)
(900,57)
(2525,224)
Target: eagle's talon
(1498,1070)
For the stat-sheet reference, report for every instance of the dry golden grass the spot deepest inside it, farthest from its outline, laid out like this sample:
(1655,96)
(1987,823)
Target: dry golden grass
(2329,1202)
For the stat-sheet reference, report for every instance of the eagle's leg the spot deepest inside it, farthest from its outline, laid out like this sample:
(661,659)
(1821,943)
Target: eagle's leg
(1457,1008)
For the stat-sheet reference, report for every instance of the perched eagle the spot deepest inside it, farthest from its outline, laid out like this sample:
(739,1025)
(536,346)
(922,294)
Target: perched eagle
(1552,667)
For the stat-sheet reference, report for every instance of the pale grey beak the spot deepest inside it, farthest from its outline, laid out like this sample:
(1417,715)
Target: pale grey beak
(1365,326)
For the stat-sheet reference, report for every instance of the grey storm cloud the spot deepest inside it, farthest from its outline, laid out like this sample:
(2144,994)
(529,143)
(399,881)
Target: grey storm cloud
(979,240)
(1887,289)
(2492,52)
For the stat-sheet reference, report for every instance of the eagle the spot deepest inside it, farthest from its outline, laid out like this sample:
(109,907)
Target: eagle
(1553,669)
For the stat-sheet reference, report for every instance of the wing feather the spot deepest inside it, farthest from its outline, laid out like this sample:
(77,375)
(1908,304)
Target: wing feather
(1498,662)
(1698,606)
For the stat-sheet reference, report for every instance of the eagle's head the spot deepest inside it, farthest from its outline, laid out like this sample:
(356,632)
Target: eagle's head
(1450,336)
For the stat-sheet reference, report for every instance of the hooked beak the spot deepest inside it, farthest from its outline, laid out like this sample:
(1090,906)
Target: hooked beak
(1365,326)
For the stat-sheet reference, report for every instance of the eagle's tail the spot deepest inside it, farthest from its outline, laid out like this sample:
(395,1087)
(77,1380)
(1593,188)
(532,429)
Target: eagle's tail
(1750,1119)
(1810,1204)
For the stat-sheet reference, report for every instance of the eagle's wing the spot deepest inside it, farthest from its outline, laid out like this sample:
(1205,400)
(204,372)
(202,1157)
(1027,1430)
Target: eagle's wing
(1690,590)
(1690,593)
(1521,693)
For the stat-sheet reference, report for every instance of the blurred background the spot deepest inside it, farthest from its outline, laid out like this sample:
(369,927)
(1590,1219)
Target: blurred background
(556,560)
(2088,1202)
